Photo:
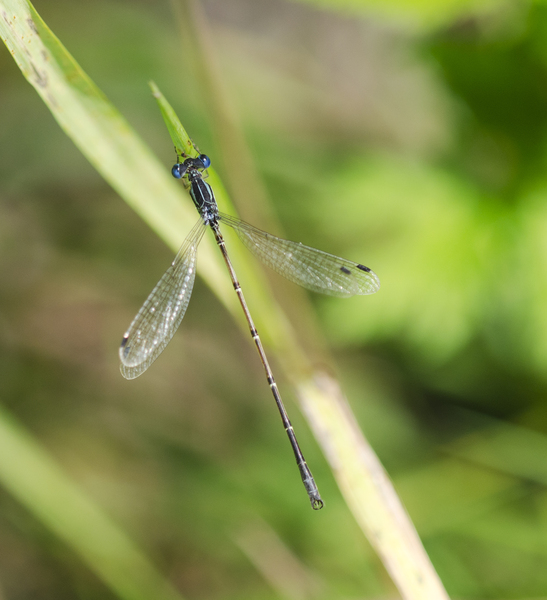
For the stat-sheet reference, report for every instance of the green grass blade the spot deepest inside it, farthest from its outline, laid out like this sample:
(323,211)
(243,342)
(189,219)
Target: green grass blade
(103,135)
(37,481)
(181,140)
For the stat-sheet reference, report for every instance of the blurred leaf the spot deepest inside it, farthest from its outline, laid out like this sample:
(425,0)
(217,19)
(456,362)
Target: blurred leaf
(458,265)
(422,13)
(35,479)
(431,239)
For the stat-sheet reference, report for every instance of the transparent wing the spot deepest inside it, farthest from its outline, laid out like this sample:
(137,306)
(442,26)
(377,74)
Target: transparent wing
(162,312)
(313,269)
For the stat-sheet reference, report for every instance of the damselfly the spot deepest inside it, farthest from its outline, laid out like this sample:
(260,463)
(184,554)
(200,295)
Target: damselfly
(162,312)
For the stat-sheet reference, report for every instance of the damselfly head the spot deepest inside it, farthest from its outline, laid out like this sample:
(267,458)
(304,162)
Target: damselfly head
(183,168)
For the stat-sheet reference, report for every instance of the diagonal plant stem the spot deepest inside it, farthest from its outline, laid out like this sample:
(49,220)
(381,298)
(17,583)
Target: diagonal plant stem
(124,161)
(361,478)
(102,134)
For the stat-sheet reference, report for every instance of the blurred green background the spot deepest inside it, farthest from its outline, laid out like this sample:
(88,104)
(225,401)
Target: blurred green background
(409,137)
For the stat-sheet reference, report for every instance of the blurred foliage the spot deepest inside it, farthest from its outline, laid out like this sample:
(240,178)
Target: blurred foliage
(417,14)
(419,151)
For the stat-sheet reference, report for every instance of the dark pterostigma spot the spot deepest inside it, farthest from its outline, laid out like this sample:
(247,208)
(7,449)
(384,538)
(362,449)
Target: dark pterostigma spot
(363,268)
(345,270)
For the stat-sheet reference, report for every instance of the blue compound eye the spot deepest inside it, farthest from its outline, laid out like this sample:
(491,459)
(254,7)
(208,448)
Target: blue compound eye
(179,170)
(205,160)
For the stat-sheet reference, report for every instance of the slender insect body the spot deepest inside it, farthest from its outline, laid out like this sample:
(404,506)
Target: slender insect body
(162,312)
